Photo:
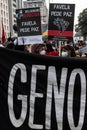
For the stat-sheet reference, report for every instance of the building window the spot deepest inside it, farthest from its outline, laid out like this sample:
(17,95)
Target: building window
(1,12)
(1,5)
(14,5)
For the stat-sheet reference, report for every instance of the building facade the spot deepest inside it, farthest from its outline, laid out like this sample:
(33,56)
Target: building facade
(19,4)
(4,17)
(13,5)
(12,16)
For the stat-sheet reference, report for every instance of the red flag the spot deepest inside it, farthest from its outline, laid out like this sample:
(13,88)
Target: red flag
(3,33)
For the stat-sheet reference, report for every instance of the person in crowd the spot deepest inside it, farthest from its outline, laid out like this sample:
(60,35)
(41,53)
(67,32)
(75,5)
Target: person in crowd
(68,42)
(9,41)
(28,48)
(50,51)
(82,49)
(1,44)
(76,46)
(86,42)
(42,50)
(19,47)
(84,55)
(68,51)
(9,44)
(72,51)
(39,49)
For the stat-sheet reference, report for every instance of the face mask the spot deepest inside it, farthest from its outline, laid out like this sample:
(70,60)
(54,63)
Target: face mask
(65,44)
(64,54)
(43,52)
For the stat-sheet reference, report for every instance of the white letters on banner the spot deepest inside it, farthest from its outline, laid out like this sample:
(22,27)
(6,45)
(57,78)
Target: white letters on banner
(17,122)
(58,96)
(34,95)
(70,99)
(52,87)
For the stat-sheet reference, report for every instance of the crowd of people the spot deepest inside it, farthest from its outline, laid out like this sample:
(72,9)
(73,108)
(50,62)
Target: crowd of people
(67,49)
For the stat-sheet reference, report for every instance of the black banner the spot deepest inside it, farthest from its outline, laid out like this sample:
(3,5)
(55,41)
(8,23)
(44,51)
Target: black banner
(42,92)
(29,25)
(61,21)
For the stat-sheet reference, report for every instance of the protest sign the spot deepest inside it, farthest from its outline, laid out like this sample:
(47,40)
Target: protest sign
(29,26)
(61,21)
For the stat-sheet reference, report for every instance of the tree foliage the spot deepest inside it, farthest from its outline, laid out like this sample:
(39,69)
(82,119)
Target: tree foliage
(82,23)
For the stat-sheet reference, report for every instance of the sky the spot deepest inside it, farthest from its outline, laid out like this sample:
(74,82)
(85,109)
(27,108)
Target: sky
(79,6)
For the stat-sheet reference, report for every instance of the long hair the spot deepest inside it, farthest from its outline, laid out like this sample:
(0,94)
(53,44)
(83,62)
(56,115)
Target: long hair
(49,47)
(71,49)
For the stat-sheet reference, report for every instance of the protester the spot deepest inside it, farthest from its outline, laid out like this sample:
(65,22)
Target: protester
(82,49)
(84,55)
(50,51)
(72,51)
(9,40)
(86,42)
(20,47)
(1,45)
(9,44)
(68,51)
(28,48)
(39,49)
